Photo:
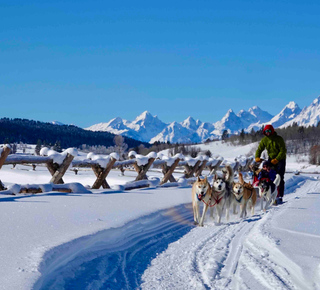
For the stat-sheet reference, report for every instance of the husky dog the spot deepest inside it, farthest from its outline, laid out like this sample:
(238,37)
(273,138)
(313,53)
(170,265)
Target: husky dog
(201,192)
(244,194)
(221,193)
(266,193)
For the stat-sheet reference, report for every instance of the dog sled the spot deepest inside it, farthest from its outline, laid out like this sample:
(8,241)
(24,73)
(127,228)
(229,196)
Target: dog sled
(264,177)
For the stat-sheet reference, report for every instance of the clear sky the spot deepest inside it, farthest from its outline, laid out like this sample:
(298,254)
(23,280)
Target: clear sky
(86,62)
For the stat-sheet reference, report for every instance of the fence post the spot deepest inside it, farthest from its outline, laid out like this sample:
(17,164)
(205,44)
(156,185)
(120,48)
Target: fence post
(214,168)
(97,169)
(4,154)
(200,169)
(103,174)
(190,170)
(142,170)
(57,176)
(168,170)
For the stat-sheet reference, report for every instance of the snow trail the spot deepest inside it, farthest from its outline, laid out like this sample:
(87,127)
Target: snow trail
(165,250)
(243,254)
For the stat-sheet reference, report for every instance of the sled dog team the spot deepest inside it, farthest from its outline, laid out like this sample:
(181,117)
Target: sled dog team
(224,193)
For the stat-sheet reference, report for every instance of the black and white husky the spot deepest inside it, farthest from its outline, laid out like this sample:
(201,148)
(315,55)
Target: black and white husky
(267,192)
(222,198)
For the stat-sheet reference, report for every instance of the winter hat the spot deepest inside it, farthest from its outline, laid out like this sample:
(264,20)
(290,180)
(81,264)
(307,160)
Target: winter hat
(268,127)
(266,163)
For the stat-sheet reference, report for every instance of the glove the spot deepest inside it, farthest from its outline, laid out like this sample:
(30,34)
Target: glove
(258,159)
(274,161)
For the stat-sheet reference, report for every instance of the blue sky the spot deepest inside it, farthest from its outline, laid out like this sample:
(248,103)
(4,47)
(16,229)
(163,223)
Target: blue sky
(85,62)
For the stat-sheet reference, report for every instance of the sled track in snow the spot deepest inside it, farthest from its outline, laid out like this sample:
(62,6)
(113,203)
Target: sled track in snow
(241,254)
(208,258)
(114,258)
(166,251)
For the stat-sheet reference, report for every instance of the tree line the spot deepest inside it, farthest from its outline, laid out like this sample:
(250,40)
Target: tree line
(299,139)
(60,136)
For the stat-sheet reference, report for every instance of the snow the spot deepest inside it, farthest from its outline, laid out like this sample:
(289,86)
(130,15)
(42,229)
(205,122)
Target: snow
(170,160)
(309,116)
(150,129)
(145,238)
(56,156)
(102,160)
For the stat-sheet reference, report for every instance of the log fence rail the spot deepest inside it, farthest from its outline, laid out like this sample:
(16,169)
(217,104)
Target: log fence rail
(58,163)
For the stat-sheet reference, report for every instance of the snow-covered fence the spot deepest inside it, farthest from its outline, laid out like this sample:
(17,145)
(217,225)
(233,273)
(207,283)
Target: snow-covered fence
(142,164)
(4,152)
(59,163)
(101,168)
(244,163)
(168,165)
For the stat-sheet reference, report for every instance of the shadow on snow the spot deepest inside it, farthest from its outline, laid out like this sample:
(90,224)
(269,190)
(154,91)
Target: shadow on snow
(114,258)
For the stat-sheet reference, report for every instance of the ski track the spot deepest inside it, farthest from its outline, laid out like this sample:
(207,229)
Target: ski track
(241,254)
(166,251)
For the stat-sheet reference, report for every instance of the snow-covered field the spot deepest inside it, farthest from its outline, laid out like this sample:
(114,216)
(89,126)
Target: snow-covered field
(146,239)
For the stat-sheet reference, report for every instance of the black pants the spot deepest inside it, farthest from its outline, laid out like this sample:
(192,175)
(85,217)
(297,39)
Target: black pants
(280,168)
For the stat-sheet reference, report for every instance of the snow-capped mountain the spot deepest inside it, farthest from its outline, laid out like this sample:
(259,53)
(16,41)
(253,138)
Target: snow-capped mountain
(309,116)
(176,133)
(288,113)
(150,128)
(143,128)
(147,126)
(259,114)
(230,122)
(234,123)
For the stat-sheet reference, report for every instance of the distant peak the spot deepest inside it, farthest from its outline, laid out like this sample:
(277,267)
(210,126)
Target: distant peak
(115,120)
(229,112)
(143,116)
(145,113)
(316,100)
(292,105)
(189,120)
(254,108)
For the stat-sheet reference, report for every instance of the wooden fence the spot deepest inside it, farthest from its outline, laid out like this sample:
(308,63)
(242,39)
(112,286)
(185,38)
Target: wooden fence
(58,163)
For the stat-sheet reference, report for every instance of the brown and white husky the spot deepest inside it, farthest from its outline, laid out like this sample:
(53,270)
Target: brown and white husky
(245,195)
(201,193)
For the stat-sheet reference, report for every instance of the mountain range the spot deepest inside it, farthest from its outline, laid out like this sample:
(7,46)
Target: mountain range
(149,128)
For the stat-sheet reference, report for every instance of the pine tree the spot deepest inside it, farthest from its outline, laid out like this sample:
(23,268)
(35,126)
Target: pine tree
(38,147)
(57,146)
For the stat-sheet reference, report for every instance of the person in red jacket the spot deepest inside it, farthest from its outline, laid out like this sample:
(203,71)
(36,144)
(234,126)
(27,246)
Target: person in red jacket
(276,149)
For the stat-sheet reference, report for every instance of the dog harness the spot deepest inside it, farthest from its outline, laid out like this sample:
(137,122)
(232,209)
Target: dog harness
(216,200)
(249,188)
(239,200)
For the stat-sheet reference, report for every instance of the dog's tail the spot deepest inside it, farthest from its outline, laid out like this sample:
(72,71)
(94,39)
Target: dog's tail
(277,180)
(241,180)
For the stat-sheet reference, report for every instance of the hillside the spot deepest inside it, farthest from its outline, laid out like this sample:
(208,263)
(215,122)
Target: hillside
(29,131)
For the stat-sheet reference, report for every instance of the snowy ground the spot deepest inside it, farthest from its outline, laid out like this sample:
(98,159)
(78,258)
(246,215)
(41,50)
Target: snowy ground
(146,238)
